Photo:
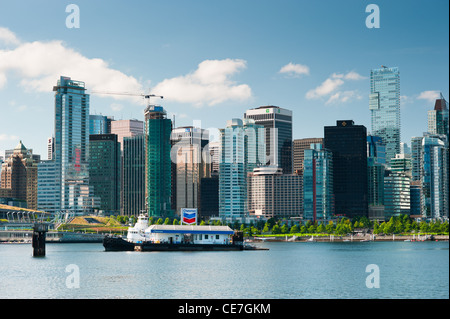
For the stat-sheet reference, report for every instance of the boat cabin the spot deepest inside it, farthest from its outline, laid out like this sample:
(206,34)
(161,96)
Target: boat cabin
(178,234)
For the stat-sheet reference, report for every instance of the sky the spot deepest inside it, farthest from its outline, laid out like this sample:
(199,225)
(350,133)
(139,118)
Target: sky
(213,60)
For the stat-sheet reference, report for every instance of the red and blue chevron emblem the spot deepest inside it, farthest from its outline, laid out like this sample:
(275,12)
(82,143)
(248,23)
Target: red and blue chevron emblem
(189,216)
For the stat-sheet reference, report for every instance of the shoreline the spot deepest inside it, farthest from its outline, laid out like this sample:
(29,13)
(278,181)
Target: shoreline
(366,238)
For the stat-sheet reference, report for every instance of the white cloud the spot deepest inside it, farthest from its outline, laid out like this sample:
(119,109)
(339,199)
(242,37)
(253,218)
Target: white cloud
(295,70)
(8,37)
(343,96)
(40,64)
(209,84)
(6,137)
(430,96)
(331,86)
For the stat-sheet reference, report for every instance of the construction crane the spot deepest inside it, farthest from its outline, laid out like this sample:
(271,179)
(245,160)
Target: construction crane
(145,96)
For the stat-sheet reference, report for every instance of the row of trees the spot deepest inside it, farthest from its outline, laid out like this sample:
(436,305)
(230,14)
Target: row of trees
(342,226)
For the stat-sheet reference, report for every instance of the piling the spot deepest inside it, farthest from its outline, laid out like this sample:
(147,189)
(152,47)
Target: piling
(38,243)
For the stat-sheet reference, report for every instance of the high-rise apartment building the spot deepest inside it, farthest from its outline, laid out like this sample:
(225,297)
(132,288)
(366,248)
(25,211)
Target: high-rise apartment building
(348,143)
(133,175)
(104,171)
(242,150)
(318,195)
(299,146)
(158,162)
(71,147)
(277,122)
(384,105)
(397,191)
(19,174)
(191,164)
(273,194)
(434,177)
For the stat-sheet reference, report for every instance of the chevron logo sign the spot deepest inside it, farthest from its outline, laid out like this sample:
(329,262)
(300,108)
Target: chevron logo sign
(189,216)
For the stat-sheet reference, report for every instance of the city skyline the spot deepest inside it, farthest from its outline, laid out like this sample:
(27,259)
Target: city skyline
(318,69)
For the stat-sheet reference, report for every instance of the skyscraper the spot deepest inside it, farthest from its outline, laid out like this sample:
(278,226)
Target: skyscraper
(438,118)
(348,143)
(191,166)
(104,171)
(300,145)
(19,173)
(434,177)
(242,149)
(318,195)
(278,130)
(71,148)
(126,128)
(158,162)
(397,191)
(384,105)
(133,178)
(273,194)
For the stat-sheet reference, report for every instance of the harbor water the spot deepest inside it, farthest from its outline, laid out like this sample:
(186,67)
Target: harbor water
(288,270)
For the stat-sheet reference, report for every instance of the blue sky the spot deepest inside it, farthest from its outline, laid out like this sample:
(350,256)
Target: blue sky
(213,60)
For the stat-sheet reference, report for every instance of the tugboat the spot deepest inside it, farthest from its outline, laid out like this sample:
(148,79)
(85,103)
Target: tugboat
(142,237)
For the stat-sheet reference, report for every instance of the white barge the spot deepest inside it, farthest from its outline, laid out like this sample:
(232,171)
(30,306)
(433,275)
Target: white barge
(142,237)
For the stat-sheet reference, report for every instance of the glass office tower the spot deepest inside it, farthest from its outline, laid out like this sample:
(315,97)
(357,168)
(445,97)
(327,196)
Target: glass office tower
(384,104)
(190,165)
(434,178)
(348,142)
(158,163)
(242,149)
(133,179)
(278,130)
(71,147)
(318,196)
(104,171)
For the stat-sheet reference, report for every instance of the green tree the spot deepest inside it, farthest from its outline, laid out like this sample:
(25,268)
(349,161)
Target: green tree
(321,229)
(175,222)
(423,226)
(266,228)
(311,229)
(284,229)
(159,221)
(330,227)
(167,221)
(294,229)
(276,229)
(303,229)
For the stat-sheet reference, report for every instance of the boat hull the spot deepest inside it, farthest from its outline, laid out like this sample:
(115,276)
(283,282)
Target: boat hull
(119,244)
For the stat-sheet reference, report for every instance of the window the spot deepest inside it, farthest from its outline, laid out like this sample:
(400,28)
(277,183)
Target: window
(206,236)
(217,236)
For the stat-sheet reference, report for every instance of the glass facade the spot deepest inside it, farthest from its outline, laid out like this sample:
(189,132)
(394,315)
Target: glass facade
(133,181)
(384,104)
(242,149)
(318,196)
(104,171)
(278,134)
(434,176)
(348,143)
(190,166)
(158,162)
(71,148)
